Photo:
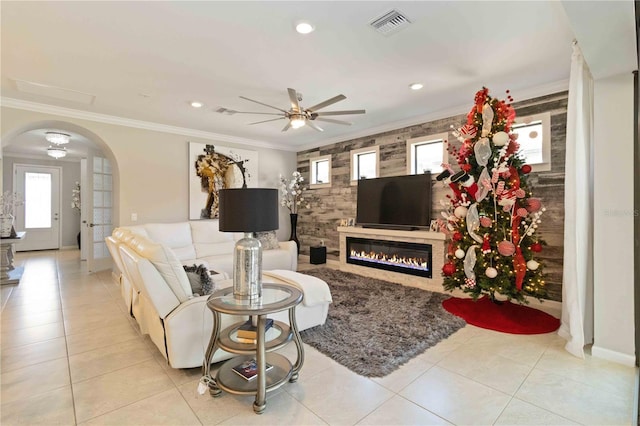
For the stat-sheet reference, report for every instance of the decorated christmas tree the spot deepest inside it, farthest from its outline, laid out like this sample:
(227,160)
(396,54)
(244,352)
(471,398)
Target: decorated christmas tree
(491,219)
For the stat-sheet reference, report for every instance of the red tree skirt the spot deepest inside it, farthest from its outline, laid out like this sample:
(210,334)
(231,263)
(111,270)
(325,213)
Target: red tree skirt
(507,317)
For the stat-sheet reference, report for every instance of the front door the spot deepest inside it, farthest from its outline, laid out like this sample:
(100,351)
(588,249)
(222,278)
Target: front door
(40,215)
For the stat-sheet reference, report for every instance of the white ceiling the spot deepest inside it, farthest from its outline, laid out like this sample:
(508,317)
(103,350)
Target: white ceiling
(146,60)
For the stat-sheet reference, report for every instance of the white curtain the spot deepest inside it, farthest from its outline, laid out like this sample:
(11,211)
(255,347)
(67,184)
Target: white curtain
(577,281)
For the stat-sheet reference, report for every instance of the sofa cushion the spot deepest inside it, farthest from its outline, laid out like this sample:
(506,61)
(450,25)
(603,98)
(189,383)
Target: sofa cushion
(209,241)
(200,280)
(167,264)
(136,229)
(176,236)
(268,240)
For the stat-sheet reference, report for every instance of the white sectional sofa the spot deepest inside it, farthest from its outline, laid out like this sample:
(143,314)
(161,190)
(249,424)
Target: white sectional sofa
(157,291)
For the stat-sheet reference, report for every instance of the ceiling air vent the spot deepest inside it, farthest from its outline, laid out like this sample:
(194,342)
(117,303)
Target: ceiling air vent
(390,23)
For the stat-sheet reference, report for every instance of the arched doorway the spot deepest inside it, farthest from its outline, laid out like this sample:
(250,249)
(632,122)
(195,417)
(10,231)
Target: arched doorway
(90,163)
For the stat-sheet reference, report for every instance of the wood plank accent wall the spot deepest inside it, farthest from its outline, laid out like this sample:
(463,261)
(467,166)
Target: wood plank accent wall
(330,205)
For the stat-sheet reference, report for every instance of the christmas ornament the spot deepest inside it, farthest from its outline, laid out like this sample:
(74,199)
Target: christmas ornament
(459,253)
(486,246)
(522,212)
(457,236)
(506,248)
(532,265)
(533,205)
(486,221)
(491,272)
(526,169)
(468,131)
(460,212)
(500,138)
(536,247)
(448,269)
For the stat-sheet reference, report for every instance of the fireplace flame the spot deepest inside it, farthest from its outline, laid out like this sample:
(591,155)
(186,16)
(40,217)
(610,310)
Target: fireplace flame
(393,259)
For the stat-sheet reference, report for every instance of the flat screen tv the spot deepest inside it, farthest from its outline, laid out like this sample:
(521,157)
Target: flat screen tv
(398,202)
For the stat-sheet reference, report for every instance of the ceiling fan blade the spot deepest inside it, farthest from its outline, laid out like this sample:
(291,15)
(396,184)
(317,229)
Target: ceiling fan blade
(293,97)
(327,103)
(251,112)
(314,126)
(262,103)
(330,120)
(287,127)
(266,121)
(352,111)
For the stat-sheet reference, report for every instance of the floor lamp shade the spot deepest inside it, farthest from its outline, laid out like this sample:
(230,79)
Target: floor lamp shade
(248,210)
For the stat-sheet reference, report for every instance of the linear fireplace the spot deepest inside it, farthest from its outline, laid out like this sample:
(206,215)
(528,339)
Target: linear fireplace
(397,256)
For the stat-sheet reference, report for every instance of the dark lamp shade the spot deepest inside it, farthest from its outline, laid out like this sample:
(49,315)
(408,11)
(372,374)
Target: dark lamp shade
(248,210)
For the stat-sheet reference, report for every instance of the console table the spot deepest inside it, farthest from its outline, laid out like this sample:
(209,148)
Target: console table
(275,298)
(9,274)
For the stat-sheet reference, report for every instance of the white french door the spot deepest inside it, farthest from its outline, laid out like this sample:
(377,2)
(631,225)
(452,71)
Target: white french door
(98,223)
(39,186)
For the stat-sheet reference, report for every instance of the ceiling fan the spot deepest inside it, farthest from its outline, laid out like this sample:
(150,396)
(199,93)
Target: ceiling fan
(299,116)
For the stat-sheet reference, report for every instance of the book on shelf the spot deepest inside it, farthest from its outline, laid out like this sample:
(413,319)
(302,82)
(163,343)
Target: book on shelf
(246,340)
(248,370)
(249,331)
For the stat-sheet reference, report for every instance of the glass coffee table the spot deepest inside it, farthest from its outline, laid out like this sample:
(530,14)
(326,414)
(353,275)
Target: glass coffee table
(275,298)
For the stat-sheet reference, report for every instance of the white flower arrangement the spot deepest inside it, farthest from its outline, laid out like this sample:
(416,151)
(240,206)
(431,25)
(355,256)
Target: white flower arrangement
(291,192)
(75,198)
(9,201)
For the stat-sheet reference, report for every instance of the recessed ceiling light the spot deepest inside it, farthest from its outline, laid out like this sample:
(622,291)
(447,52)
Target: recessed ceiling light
(416,86)
(304,27)
(197,104)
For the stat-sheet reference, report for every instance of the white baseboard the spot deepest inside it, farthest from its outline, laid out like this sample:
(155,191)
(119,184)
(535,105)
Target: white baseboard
(69,248)
(613,356)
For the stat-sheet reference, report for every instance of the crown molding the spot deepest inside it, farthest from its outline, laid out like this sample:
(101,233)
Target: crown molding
(137,124)
(523,95)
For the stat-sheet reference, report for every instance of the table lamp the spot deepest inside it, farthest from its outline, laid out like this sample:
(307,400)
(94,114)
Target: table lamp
(248,210)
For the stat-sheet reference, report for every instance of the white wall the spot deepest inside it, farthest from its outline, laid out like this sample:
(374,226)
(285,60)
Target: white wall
(151,168)
(613,219)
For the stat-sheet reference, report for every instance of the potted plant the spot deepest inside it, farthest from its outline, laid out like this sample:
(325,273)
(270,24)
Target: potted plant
(8,202)
(291,191)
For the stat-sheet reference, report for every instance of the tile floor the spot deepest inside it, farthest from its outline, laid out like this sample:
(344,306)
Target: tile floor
(71,355)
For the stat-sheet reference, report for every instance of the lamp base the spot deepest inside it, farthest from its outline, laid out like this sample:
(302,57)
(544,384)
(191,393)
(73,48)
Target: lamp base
(247,268)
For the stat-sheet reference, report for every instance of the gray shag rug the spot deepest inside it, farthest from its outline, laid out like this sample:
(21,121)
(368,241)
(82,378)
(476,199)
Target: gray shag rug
(375,326)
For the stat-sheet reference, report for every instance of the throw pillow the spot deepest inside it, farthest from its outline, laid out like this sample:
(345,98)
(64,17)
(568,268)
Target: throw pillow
(201,284)
(268,240)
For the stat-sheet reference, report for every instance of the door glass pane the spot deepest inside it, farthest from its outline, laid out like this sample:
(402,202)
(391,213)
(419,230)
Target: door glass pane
(37,200)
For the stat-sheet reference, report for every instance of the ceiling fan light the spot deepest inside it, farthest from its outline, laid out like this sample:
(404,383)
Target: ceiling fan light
(57,152)
(57,138)
(297,121)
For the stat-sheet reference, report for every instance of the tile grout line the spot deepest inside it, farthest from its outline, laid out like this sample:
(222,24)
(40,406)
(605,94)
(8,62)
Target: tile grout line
(66,343)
